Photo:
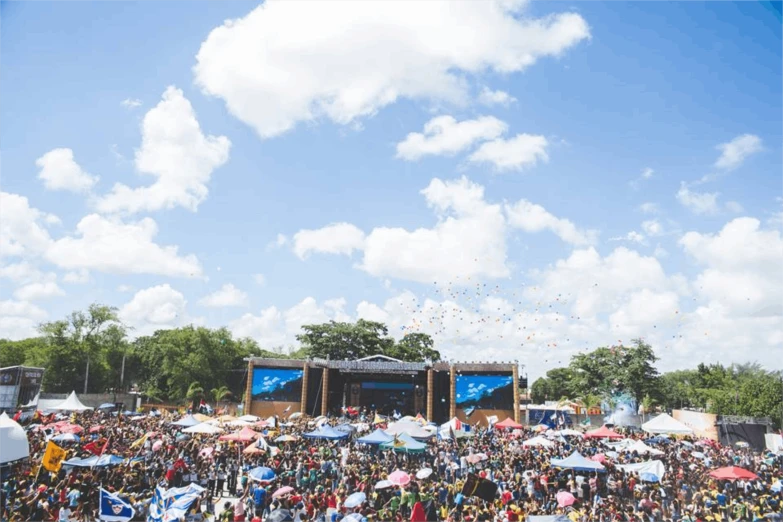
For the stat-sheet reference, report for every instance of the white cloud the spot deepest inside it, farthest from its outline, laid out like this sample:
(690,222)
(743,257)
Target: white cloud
(736,151)
(735,207)
(177,154)
(125,289)
(490,97)
(523,150)
(22,227)
(19,320)
(260,279)
(227,295)
(337,238)
(445,135)
(38,291)
(264,328)
(649,208)
(121,248)
(647,173)
(467,241)
(631,237)
(24,273)
(154,308)
(652,227)
(350,59)
(698,202)
(530,217)
(59,171)
(80,276)
(131,103)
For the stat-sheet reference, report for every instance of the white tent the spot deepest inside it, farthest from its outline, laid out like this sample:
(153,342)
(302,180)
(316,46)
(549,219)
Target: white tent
(641,448)
(655,467)
(13,440)
(539,441)
(72,403)
(203,428)
(569,433)
(411,428)
(665,423)
(455,426)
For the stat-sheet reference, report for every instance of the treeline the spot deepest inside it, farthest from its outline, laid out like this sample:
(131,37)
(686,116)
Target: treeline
(95,347)
(593,378)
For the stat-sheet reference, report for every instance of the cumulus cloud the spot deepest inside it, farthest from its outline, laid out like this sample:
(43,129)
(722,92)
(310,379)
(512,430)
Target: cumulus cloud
(80,276)
(652,227)
(631,237)
(337,238)
(175,151)
(649,208)
(489,97)
(20,319)
(23,228)
(735,152)
(113,246)
(698,202)
(445,135)
(333,50)
(38,291)
(517,153)
(59,171)
(531,217)
(228,295)
(154,308)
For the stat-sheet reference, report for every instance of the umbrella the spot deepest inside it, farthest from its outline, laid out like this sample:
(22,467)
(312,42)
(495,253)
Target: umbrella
(262,474)
(158,444)
(732,473)
(399,478)
(423,473)
(206,452)
(279,515)
(649,477)
(476,458)
(182,436)
(295,415)
(383,484)
(285,490)
(66,437)
(697,454)
(741,444)
(106,406)
(96,428)
(285,438)
(355,500)
(564,499)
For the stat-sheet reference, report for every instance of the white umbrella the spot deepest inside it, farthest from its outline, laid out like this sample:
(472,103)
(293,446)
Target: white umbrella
(383,484)
(355,500)
(423,473)
(203,428)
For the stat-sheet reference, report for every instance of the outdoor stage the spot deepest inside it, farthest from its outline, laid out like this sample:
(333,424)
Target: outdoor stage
(439,391)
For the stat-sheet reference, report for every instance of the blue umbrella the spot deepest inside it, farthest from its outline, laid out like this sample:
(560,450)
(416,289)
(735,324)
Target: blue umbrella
(355,500)
(66,437)
(106,406)
(649,477)
(262,474)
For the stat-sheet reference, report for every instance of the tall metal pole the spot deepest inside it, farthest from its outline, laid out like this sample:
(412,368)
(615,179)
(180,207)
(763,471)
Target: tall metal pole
(87,375)
(122,372)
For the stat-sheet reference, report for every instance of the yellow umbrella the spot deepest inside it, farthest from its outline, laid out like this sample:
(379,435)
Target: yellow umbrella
(201,417)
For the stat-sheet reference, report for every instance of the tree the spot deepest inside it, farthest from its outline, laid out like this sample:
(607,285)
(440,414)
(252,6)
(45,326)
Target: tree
(345,341)
(558,383)
(220,394)
(194,394)
(415,347)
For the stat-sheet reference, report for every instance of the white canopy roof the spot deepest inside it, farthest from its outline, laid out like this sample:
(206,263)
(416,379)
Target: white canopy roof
(13,440)
(203,428)
(641,448)
(539,441)
(665,423)
(655,467)
(72,403)
(411,428)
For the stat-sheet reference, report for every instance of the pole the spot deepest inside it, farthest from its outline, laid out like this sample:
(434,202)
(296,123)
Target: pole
(122,372)
(87,375)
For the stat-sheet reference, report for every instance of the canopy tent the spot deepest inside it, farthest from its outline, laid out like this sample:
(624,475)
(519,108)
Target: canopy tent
(577,462)
(376,437)
(569,433)
(249,418)
(733,473)
(410,428)
(539,441)
(509,423)
(325,432)
(655,467)
(641,448)
(72,403)
(203,428)
(201,417)
(243,435)
(603,433)
(346,428)
(665,423)
(454,426)
(95,461)
(404,443)
(13,440)
(187,421)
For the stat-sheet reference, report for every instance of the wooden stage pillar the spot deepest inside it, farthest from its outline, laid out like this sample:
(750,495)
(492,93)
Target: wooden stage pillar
(516,392)
(452,392)
(305,383)
(325,392)
(249,388)
(430,392)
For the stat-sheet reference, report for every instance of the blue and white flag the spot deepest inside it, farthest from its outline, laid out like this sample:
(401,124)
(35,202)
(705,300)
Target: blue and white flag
(172,504)
(115,509)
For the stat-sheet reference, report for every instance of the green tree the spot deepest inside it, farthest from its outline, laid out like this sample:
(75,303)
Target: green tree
(194,394)
(220,394)
(415,347)
(30,352)
(558,383)
(345,341)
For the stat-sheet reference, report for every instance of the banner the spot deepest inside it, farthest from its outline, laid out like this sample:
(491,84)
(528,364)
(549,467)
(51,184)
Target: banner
(478,487)
(168,505)
(53,457)
(702,424)
(114,509)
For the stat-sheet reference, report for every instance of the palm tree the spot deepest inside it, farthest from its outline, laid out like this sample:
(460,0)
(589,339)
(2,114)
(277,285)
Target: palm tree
(194,394)
(220,394)
(589,401)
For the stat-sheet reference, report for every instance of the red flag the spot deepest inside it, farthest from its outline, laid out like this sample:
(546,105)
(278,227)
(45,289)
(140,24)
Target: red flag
(105,446)
(92,447)
(18,416)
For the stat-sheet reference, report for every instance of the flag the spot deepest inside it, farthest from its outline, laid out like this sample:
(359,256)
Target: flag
(139,442)
(397,443)
(53,457)
(18,416)
(92,447)
(585,422)
(476,486)
(114,509)
(287,409)
(469,411)
(378,419)
(105,446)
(492,420)
(168,505)
(457,424)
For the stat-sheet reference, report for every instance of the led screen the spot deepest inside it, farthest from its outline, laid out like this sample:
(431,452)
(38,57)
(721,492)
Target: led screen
(277,384)
(492,392)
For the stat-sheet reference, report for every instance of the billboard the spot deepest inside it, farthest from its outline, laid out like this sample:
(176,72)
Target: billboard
(277,384)
(19,388)
(702,424)
(483,391)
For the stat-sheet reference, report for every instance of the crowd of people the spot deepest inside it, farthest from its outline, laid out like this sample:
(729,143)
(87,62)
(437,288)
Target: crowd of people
(313,478)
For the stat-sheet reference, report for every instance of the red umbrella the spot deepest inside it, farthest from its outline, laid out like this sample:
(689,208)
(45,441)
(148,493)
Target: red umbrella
(71,428)
(733,473)
(96,429)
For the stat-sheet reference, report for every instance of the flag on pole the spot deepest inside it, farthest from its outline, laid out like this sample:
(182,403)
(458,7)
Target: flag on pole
(469,412)
(287,409)
(476,486)
(53,457)
(92,447)
(114,509)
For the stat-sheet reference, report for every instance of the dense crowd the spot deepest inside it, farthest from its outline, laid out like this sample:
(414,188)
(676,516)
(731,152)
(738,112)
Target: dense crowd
(322,474)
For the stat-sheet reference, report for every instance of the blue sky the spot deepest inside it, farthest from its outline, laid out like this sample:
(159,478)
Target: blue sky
(607,170)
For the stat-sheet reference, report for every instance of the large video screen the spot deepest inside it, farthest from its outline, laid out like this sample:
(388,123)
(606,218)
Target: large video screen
(277,384)
(491,392)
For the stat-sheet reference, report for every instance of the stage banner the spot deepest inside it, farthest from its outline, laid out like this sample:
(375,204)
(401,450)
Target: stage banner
(702,424)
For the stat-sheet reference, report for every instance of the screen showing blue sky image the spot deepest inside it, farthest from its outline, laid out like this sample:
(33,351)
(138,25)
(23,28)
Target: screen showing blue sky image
(277,384)
(485,391)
